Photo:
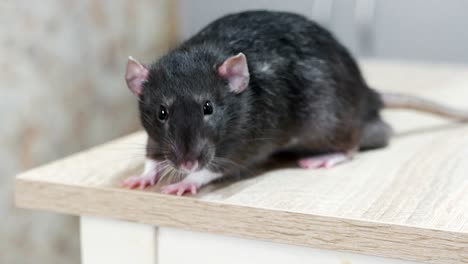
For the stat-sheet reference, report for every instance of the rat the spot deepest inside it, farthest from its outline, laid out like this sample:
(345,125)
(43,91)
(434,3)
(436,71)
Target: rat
(252,84)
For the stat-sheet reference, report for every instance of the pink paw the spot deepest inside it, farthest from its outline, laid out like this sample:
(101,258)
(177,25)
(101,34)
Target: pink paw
(180,188)
(140,181)
(324,161)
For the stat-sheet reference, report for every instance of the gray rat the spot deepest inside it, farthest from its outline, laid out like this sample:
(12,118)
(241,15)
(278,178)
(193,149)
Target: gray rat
(252,84)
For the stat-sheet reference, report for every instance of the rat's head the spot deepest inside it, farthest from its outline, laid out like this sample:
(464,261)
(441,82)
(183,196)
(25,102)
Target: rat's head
(188,104)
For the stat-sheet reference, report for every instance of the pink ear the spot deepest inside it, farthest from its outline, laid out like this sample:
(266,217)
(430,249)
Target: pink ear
(235,70)
(136,74)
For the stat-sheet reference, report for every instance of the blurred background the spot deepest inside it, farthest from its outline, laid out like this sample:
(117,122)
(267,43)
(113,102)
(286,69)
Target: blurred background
(62,67)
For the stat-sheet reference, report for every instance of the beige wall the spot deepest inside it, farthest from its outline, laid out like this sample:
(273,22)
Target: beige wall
(62,90)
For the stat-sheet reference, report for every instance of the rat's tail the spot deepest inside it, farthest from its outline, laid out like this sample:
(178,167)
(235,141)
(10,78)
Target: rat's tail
(401,101)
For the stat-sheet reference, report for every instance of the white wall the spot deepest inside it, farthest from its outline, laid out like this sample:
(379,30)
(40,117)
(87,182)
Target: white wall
(430,30)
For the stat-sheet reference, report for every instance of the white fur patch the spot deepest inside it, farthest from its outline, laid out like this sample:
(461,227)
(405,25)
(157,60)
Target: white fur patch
(202,177)
(266,68)
(293,141)
(150,167)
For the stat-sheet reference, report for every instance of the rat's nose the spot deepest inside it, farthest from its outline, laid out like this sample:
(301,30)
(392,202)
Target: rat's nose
(189,165)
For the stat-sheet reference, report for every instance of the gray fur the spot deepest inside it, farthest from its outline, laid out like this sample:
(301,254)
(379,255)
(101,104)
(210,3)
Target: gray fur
(305,92)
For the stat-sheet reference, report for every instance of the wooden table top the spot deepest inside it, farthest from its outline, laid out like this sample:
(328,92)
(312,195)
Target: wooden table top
(407,201)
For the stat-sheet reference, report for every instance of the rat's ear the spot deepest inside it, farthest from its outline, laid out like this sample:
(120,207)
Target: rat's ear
(235,70)
(136,74)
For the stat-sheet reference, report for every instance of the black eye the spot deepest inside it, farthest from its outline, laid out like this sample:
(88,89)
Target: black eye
(163,114)
(207,108)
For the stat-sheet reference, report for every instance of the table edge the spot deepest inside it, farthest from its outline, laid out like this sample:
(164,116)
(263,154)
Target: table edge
(325,232)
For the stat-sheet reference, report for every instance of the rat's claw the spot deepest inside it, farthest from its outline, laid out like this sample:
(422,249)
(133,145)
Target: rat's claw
(180,188)
(140,181)
(131,182)
(324,161)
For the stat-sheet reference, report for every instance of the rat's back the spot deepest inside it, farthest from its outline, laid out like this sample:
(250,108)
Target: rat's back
(263,34)
(301,76)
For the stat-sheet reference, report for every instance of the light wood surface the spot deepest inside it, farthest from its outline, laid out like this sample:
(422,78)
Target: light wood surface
(408,201)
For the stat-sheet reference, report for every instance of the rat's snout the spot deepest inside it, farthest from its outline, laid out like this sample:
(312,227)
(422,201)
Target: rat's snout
(194,158)
(191,149)
(189,165)
(189,162)
(189,155)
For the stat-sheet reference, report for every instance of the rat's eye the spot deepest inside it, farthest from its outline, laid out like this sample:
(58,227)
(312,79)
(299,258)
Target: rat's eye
(207,108)
(163,114)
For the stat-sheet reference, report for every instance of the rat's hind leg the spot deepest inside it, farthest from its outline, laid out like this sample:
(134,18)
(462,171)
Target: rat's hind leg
(334,148)
(325,160)
(375,134)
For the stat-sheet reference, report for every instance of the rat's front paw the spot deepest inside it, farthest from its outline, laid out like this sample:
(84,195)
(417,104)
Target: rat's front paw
(141,181)
(149,177)
(180,188)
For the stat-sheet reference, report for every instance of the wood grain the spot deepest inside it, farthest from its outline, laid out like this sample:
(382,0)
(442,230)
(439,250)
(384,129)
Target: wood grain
(408,201)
